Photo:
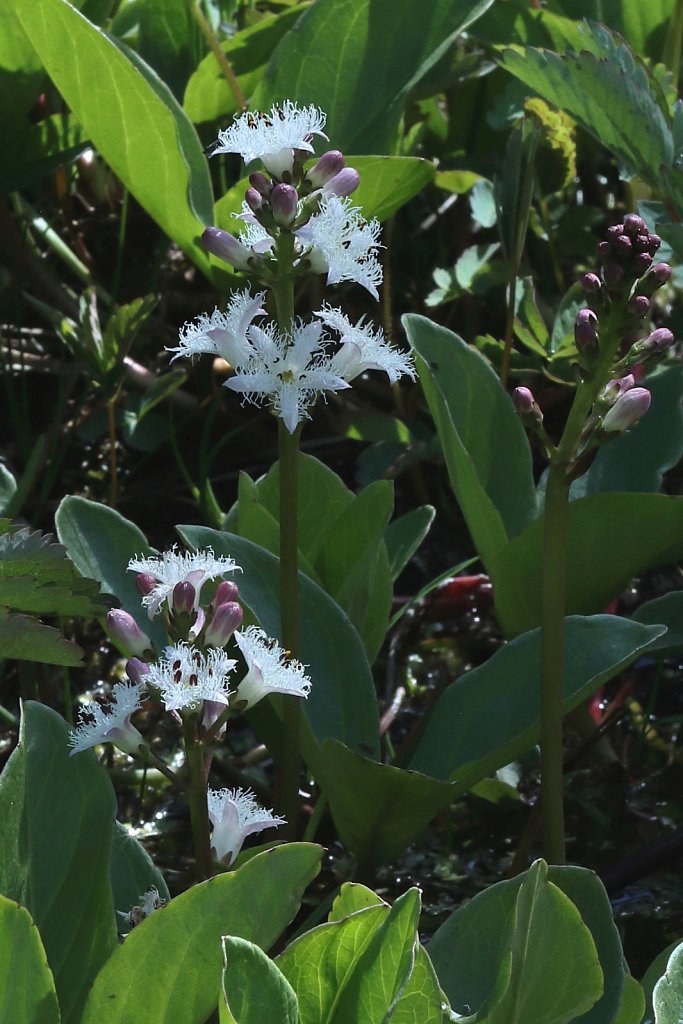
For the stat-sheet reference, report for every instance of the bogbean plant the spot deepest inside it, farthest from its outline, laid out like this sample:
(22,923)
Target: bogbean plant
(540,947)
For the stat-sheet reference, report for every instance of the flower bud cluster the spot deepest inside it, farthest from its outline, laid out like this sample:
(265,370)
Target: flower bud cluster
(627,252)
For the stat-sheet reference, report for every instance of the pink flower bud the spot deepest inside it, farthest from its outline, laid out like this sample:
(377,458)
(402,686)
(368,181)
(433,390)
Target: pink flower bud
(639,306)
(591,284)
(124,631)
(627,410)
(284,201)
(253,199)
(527,407)
(145,583)
(260,182)
(344,183)
(658,275)
(634,225)
(329,165)
(617,387)
(225,591)
(585,329)
(655,243)
(226,619)
(136,670)
(614,232)
(226,247)
(623,245)
(641,263)
(184,596)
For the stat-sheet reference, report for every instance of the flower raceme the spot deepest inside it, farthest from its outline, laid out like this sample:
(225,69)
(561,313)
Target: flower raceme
(291,371)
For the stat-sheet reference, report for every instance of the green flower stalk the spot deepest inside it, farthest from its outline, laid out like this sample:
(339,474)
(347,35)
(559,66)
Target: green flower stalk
(606,404)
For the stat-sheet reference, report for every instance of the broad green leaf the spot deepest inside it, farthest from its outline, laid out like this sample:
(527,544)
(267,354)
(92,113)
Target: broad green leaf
(489,715)
(632,1005)
(100,541)
(554,974)
(606,89)
(27,639)
(208,96)
(342,703)
(22,76)
(362,78)
(27,988)
(254,989)
(642,25)
(354,566)
(37,576)
(169,41)
(354,968)
(547,986)
(130,115)
(404,535)
(378,809)
(169,969)
(132,873)
(667,997)
(340,539)
(260,524)
(652,975)
(422,1000)
(601,555)
(638,459)
(317,964)
(667,611)
(486,450)
(388,182)
(57,813)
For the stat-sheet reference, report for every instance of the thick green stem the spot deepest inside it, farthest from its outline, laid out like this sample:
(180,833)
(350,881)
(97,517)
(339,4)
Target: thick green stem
(555,589)
(288,452)
(289,618)
(196,795)
(552,661)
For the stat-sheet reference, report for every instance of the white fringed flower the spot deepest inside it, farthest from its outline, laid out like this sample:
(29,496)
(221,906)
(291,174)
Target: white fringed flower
(173,567)
(235,814)
(110,723)
(185,677)
(268,669)
(290,373)
(223,334)
(363,348)
(272,137)
(343,244)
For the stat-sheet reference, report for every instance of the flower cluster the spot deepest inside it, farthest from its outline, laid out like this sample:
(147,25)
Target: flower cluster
(289,368)
(194,677)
